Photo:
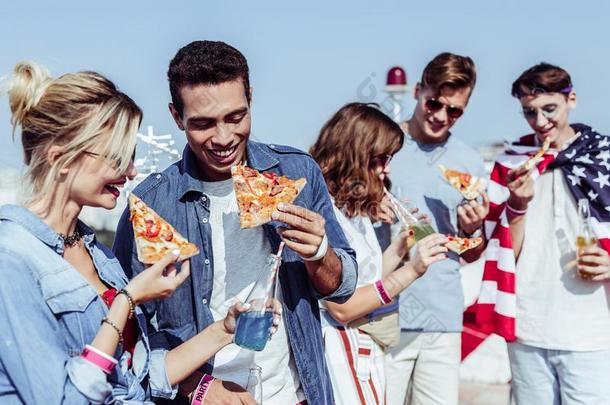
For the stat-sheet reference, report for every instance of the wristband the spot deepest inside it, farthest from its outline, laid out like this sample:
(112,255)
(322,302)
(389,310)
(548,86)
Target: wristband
(379,295)
(383,294)
(515,211)
(202,389)
(99,358)
(322,249)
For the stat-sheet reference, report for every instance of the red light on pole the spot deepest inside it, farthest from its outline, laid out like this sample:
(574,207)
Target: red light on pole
(396,87)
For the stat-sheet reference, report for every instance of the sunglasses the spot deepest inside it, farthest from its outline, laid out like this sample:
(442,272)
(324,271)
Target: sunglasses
(434,106)
(548,112)
(382,160)
(86,152)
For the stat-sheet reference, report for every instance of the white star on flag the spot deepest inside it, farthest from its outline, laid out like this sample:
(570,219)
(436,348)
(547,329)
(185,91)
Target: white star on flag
(579,171)
(605,164)
(571,154)
(604,142)
(574,179)
(602,179)
(585,159)
(608,208)
(592,195)
(603,155)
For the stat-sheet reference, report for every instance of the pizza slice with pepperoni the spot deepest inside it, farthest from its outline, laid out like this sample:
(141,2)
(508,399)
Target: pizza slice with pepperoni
(470,186)
(461,245)
(258,194)
(154,236)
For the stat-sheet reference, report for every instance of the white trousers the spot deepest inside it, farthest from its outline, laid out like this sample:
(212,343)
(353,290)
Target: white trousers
(426,366)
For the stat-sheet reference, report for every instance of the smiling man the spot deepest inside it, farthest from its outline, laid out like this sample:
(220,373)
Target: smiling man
(562,352)
(428,355)
(211,94)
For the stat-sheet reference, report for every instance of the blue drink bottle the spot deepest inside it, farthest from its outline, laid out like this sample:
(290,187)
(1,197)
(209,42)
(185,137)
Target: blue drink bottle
(252,327)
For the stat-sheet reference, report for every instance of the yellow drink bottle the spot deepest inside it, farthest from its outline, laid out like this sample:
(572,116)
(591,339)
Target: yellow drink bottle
(585,236)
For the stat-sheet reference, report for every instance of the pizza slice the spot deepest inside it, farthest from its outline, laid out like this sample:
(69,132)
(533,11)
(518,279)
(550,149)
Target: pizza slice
(461,245)
(470,186)
(154,236)
(534,160)
(258,194)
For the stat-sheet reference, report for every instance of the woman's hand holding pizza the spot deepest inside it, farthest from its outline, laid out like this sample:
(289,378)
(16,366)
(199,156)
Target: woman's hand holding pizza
(158,281)
(306,229)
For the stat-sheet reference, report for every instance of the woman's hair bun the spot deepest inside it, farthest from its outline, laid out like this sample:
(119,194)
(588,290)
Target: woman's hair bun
(25,89)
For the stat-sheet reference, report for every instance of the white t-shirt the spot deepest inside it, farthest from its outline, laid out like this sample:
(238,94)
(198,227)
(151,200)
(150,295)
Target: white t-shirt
(556,308)
(239,257)
(361,237)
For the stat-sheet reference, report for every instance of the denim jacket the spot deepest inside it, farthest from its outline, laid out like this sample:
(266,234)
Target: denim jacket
(48,313)
(177,195)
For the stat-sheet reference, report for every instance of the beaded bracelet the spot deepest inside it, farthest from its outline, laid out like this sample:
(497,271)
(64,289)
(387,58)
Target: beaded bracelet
(132,306)
(116,328)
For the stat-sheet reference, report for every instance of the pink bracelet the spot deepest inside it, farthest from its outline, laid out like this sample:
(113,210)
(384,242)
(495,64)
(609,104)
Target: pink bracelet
(202,389)
(383,294)
(99,358)
(515,211)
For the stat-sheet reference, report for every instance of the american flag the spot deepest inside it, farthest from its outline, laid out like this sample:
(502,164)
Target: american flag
(585,163)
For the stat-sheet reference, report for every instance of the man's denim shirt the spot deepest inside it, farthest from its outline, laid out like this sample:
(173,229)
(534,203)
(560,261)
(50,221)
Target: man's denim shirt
(49,312)
(177,196)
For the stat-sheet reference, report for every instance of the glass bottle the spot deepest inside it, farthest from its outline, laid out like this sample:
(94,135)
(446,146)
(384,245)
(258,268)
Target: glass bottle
(252,327)
(585,235)
(255,384)
(420,227)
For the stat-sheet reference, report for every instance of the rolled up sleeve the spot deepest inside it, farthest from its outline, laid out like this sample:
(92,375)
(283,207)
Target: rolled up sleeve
(323,205)
(32,351)
(160,386)
(349,278)
(89,379)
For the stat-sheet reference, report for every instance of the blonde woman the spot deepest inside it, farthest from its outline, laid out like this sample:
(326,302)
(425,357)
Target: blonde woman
(354,151)
(67,313)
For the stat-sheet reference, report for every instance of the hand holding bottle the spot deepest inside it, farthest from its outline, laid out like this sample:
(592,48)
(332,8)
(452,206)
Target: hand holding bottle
(430,249)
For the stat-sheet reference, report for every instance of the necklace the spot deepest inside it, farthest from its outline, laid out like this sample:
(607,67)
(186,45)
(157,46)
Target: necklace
(72,240)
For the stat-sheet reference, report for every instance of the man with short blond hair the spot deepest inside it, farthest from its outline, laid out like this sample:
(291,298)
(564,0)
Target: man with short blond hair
(427,359)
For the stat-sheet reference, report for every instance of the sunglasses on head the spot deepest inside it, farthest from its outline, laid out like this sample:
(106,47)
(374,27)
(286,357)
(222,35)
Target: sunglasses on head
(434,106)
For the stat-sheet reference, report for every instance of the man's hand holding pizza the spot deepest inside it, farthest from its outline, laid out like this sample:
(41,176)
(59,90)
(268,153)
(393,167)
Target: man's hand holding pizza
(471,214)
(306,236)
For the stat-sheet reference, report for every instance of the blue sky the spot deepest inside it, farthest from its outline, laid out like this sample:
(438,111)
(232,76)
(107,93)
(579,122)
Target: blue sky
(309,58)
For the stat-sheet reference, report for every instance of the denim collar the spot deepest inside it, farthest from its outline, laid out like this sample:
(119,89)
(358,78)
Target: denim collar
(33,224)
(258,158)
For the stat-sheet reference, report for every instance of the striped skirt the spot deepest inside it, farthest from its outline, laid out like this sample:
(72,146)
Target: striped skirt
(356,366)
